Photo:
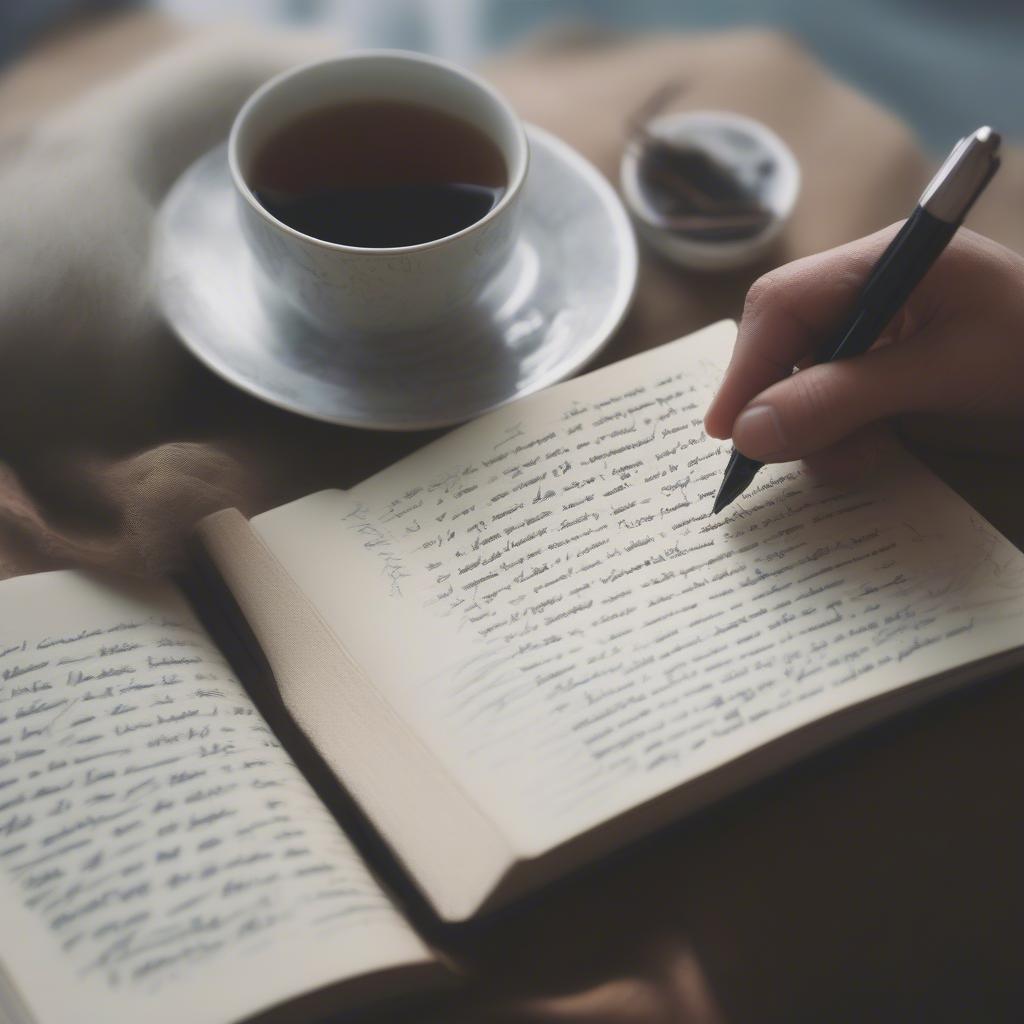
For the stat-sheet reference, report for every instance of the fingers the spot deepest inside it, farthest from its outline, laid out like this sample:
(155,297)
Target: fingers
(817,407)
(953,351)
(788,314)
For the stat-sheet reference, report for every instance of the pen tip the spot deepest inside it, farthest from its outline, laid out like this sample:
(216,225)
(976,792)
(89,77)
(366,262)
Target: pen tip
(737,477)
(730,490)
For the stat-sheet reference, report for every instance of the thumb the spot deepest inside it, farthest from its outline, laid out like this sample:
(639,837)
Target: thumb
(817,407)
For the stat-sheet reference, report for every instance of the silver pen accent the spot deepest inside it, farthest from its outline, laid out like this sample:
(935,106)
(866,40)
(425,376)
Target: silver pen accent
(960,179)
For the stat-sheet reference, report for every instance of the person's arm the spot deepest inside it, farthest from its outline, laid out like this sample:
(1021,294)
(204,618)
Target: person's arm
(950,366)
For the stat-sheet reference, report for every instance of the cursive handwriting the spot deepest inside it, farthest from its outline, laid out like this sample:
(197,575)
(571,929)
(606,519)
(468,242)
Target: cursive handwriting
(615,633)
(148,816)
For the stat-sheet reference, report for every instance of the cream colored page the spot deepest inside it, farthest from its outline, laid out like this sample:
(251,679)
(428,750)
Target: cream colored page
(547,597)
(161,859)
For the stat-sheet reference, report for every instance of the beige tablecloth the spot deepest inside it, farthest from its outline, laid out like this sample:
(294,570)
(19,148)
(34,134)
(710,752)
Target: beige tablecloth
(879,882)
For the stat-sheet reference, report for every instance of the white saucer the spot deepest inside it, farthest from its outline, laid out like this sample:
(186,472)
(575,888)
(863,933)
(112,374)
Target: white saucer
(552,309)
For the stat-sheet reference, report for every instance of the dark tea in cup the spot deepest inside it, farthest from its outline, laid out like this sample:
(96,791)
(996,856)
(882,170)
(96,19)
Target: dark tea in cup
(378,174)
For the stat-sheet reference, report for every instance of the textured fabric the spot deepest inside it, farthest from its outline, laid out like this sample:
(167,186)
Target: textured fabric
(881,882)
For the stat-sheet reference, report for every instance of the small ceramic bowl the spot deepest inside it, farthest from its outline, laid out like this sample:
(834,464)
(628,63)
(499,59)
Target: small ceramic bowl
(743,144)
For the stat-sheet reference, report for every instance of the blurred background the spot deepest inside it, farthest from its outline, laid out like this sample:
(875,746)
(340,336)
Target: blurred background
(945,66)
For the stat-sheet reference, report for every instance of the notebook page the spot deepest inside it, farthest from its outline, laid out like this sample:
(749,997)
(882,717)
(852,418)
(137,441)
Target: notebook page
(161,858)
(547,597)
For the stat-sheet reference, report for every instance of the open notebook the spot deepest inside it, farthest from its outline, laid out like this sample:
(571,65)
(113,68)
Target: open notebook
(518,648)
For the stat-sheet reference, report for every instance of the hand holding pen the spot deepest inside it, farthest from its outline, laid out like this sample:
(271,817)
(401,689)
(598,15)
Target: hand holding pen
(949,358)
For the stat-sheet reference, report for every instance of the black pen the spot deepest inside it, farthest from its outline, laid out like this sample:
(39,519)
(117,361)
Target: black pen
(939,212)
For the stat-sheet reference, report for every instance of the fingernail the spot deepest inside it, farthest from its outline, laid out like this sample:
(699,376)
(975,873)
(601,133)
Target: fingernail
(758,434)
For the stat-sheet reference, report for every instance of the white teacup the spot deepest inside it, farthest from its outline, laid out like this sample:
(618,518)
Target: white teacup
(341,287)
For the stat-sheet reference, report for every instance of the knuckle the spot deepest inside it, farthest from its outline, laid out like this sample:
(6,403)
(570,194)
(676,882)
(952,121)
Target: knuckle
(761,292)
